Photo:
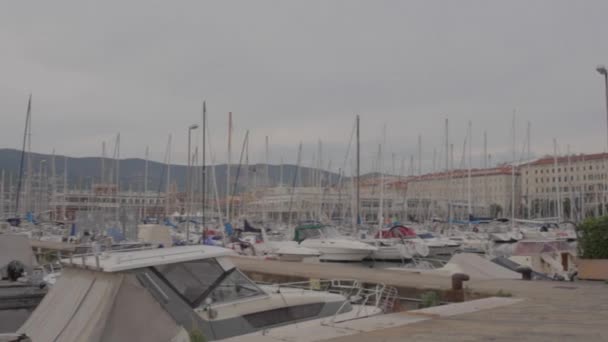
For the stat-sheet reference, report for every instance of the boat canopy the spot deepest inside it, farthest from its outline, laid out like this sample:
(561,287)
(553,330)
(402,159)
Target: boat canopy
(98,306)
(395,232)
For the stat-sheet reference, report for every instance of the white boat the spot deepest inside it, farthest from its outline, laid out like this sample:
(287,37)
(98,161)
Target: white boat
(332,245)
(288,250)
(172,294)
(252,244)
(439,247)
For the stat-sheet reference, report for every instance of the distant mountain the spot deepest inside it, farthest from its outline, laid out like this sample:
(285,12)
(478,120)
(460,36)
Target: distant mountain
(86,170)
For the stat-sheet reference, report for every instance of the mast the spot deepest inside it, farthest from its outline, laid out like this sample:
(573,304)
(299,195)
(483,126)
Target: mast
(204,170)
(117,161)
(447,168)
(228,166)
(513,175)
(358,175)
(293,185)
(30,169)
(2,194)
(419,155)
(168,180)
(556,183)
(381,202)
(23,152)
(65,188)
(450,186)
(266,177)
(145,197)
(485,168)
(267,157)
(53,186)
(238,169)
(470,161)
(571,192)
(103,162)
(529,159)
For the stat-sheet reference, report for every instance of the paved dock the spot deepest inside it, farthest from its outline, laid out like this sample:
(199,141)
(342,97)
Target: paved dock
(544,310)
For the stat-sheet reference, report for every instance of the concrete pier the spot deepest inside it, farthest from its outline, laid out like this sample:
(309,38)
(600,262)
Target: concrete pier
(543,311)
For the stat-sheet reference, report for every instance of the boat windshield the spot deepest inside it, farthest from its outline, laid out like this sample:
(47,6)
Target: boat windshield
(320,232)
(197,280)
(426,236)
(331,232)
(234,286)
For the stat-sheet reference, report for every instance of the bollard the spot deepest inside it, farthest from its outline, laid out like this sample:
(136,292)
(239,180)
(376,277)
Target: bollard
(458,279)
(526,272)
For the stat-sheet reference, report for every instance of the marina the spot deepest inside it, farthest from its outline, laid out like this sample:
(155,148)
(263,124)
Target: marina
(304,171)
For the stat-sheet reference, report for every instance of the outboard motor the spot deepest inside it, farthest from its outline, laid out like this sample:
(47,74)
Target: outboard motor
(15,270)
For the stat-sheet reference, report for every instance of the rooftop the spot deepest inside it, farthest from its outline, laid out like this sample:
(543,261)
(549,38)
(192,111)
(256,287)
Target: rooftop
(122,261)
(547,160)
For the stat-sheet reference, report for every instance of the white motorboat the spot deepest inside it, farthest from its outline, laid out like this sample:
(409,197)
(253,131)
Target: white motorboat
(172,294)
(332,245)
(439,247)
(288,250)
(257,243)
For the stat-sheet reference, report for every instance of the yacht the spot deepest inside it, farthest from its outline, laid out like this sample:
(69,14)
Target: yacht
(332,245)
(171,294)
(439,246)
(396,243)
(288,250)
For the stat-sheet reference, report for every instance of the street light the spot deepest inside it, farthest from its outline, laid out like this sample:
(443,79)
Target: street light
(604,72)
(188,199)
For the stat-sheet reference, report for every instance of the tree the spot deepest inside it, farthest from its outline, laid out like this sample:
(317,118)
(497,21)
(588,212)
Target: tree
(593,238)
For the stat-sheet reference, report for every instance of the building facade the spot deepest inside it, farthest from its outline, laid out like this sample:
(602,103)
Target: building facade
(569,187)
(492,193)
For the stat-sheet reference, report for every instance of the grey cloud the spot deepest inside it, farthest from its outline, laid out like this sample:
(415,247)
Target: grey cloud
(300,71)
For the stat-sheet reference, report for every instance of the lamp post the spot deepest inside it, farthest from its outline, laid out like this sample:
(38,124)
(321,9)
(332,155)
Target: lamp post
(602,70)
(187,207)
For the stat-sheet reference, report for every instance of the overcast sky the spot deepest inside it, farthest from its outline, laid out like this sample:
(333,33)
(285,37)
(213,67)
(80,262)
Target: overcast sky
(300,71)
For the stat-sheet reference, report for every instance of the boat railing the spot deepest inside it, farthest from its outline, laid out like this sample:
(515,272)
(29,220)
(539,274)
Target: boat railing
(80,260)
(377,296)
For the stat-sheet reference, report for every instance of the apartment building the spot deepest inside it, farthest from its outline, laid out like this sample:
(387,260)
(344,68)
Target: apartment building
(571,187)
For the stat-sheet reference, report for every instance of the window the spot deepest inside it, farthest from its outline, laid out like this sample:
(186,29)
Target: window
(233,287)
(191,279)
(200,279)
(282,315)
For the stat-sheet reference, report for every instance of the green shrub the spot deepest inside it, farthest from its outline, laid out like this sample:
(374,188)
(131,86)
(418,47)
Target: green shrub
(429,299)
(593,238)
(197,336)
(502,293)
